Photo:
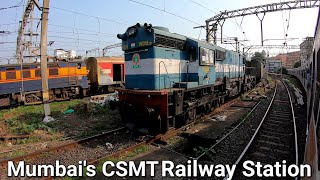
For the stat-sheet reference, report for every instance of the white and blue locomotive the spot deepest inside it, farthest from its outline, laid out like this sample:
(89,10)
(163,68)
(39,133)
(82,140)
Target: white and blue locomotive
(171,79)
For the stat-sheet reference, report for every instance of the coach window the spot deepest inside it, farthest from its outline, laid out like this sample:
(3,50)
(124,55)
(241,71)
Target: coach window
(79,66)
(206,56)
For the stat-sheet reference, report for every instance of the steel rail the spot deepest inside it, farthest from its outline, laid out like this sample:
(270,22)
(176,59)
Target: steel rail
(225,136)
(262,121)
(257,130)
(294,125)
(66,146)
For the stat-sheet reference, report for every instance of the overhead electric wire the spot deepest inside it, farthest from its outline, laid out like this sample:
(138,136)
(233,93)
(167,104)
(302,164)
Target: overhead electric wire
(8,24)
(64,32)
(239,26)
(163,10)
(92,16)
(79,29)
(15,6)
(7,42)
(57,41)
(63,37)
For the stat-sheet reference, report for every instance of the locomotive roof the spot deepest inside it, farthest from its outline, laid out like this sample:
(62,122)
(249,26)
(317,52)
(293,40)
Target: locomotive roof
(108,59)
(169,34)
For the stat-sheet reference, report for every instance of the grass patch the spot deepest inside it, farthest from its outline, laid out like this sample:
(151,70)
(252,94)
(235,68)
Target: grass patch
(79,124)
(25,127)
(27,140)
(208,152)
(17,153)
(27,119)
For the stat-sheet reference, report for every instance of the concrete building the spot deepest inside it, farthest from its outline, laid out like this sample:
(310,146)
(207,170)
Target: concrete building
(306,49)
(288,59)
(273,65)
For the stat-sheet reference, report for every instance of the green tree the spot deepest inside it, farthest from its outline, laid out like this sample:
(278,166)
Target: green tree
(297,64)
(259,56)
(284,70)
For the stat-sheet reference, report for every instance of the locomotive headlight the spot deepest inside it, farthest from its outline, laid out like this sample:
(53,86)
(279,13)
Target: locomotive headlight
(132,31)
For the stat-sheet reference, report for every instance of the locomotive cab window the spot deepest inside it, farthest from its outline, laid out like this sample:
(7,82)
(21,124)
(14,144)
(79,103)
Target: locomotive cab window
(206,56)
(220,55)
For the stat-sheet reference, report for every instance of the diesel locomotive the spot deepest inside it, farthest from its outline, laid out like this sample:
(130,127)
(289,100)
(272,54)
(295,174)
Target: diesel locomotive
(171,79)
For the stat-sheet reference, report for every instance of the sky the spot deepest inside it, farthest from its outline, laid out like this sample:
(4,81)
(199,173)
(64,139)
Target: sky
(87,25)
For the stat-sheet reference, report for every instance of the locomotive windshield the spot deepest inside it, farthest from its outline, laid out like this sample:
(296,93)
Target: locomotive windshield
(139,37)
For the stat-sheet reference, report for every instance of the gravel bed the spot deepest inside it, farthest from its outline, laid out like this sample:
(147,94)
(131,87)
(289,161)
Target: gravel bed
(300,112)
(228,150)
(92,150)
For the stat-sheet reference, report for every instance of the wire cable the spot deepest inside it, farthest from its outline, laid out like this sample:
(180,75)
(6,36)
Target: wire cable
(10,7)
(83,14)
(173,14)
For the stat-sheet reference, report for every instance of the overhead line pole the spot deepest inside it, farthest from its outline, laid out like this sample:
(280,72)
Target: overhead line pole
(211,23)
(44,57)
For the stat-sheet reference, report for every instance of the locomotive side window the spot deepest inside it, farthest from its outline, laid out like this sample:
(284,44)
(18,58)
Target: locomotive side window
(37,73)
(11,73)
(53,72)
(220,55)
(53,69)
(26,72)
(206,56)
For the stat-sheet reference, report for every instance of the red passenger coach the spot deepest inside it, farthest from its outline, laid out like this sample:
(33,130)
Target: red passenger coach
(105,72)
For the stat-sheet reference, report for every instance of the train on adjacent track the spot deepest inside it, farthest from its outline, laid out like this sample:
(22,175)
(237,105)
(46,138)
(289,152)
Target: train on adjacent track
(171,79)
(309,76)
(21,83)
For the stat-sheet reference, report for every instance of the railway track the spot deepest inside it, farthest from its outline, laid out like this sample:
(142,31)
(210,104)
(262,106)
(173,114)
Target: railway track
(116,153)
(228,133)
(64,147)
(275,138)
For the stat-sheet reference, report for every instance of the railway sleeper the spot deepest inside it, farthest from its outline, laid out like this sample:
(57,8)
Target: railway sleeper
(277,124)
(270,137)
(281,113)
(268,158)
(279,116)
(280,123)
(274,125)
(258,156)
(277,130)
(273,150)
(283,121)
(276,133)
(280,141)
(282,146)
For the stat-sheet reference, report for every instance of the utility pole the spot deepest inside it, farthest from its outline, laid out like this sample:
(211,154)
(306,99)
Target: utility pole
(44,58)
